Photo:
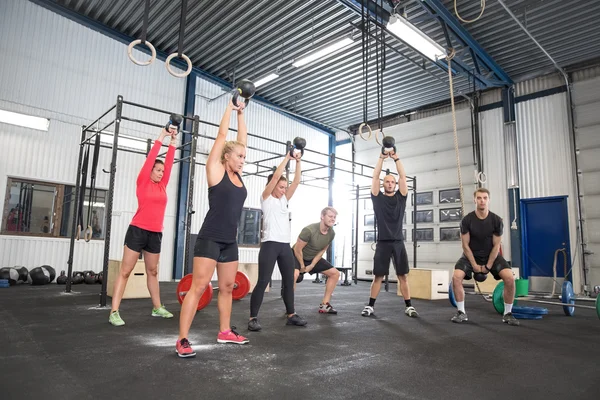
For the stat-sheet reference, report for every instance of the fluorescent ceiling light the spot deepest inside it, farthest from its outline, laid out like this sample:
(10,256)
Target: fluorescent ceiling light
(130,142)
(27,121)
(330,48)
(415,38)
(266,79)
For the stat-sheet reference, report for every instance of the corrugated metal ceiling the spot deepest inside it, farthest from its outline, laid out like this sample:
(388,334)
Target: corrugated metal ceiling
(259,36)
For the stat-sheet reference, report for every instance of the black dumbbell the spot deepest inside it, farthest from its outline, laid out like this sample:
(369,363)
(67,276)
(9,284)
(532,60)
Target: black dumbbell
(175,121)
(298,146)
(388,144)
(245,89)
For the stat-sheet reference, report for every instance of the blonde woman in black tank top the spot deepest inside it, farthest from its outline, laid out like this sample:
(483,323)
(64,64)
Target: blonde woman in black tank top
(216,246)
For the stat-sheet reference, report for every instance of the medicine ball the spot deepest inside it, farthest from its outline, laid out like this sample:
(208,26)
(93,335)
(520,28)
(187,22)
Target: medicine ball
(39,276)
(23,274)
(52,272)
(11,274)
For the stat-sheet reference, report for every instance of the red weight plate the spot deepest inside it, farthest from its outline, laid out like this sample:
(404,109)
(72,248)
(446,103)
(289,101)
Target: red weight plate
(183,287)
(206,297)
(241,287)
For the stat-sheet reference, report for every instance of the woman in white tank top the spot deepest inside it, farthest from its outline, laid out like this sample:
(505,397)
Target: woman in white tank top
(275,243)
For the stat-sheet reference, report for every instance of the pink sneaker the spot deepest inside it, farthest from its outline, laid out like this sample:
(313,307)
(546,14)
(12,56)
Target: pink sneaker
(184,349)
(231,336)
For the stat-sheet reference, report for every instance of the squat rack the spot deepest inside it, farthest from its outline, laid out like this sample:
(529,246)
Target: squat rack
(188,156)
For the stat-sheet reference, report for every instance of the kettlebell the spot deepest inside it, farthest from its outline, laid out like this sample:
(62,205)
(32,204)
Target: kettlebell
(90,278)
(298,146)
(99,277)
(78,277)
(479,276)
(245,89)
(388,144)
(62,279)
(175,121)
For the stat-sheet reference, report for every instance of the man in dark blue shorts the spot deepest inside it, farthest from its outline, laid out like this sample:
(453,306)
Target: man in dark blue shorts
(481,235)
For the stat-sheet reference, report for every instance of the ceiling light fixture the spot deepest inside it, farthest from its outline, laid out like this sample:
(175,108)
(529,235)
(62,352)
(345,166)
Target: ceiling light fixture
(415,38)
(322,52)
(27,121)
(266,79)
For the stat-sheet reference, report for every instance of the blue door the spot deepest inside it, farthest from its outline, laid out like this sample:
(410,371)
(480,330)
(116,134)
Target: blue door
(545,228)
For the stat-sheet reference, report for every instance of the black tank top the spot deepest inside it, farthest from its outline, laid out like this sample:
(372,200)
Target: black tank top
(225,202)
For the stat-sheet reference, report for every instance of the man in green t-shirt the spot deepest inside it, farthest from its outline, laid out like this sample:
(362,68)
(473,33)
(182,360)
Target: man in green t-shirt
(312,243)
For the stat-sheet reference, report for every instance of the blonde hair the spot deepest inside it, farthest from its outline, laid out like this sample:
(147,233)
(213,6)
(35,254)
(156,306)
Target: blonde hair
(229,146)
(327,209)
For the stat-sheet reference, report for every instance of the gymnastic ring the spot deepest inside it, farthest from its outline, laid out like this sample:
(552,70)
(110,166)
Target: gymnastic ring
(360,132)
(176,74)
(135,43)
(373,246)
(78,235)
(87,234)
(382,136)
(481,177)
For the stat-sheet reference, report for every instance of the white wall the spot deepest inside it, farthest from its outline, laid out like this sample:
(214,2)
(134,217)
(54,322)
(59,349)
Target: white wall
(544,153)
(586,102)
(307,202)
(426,148)
(68,73)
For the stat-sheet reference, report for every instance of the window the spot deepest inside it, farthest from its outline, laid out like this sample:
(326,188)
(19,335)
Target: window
(450,214)
(29,208)
(249,227)
(404,234)
(424,234)
(44,209)
(450,196)
(424,198)
(423,216)
(449,234)
(369,237)
(370,220)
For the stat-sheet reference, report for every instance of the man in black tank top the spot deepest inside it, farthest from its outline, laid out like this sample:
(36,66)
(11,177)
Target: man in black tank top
(481,235)
(389,208)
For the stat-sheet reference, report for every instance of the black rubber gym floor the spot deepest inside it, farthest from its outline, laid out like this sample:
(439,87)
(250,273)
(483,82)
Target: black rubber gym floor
(60,346)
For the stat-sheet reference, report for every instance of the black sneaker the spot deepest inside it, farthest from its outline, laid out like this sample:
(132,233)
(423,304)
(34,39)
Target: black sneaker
(295,319)
(510,319)
(459,317)
(253,325)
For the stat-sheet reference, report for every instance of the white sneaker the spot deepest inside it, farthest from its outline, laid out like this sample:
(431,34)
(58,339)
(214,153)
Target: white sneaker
(411,312)
(367,311)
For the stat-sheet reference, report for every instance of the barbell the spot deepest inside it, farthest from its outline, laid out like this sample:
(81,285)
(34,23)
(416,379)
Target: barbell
(241,287)
(567,298)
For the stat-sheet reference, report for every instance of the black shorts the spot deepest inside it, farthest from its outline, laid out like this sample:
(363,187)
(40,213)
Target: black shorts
(322,265)
(499,264)
(386,250)
(138,239)
(220,252)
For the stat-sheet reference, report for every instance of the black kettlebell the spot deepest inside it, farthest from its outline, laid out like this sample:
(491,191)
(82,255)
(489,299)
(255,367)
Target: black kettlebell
(99,276)
(62,279)
(78,277)
(90,278)
(300,277)
(245,89)
(298,146)
(175,121)
(388,144)
(479,276)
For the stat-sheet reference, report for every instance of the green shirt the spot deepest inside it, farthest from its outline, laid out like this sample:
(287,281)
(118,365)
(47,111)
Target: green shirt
(315,240)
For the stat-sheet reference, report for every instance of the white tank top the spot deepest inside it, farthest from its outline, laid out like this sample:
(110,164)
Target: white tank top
(276,220)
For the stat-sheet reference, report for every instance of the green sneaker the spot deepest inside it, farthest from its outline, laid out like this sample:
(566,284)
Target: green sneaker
(161,312)
(115,319)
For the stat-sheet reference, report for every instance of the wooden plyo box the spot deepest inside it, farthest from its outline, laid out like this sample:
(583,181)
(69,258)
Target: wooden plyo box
(136,288)
(425,283)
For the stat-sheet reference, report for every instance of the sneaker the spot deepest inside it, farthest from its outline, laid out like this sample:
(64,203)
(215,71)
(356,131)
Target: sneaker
(411,312)
(231,336)
(367,311)
(297,320)
(510,319)
(115,319)
(253,325)
(459,317)
(161,312)
(183,349)
(327,309)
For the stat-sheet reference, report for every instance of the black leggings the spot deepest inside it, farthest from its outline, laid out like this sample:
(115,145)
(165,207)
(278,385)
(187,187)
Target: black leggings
(269,253)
